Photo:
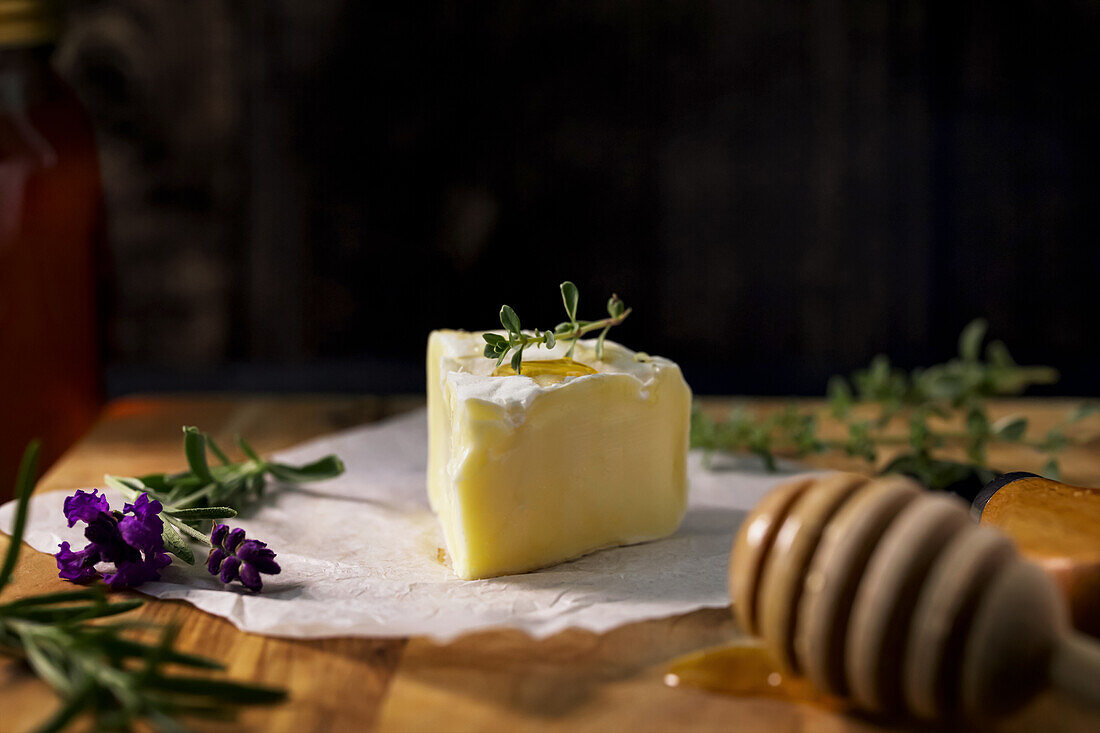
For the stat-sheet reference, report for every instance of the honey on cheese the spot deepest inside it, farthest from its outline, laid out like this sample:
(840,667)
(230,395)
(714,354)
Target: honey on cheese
(571,456)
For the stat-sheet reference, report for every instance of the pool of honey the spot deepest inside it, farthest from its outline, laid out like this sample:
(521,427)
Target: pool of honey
(744,669)
(547,371)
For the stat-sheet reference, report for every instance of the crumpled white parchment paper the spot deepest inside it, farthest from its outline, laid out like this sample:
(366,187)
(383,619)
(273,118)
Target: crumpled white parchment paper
(359,553)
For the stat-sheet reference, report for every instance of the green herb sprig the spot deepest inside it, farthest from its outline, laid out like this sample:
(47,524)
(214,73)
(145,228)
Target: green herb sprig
(106,669)
(209,492)
(956,391)
(497,346)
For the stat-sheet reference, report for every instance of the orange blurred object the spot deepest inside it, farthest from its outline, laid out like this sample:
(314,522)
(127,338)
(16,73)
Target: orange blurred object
(50,225)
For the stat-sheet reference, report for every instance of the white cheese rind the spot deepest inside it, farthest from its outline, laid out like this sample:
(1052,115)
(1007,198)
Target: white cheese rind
(524,475)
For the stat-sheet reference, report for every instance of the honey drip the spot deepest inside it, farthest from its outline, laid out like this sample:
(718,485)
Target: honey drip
(548,371)
(745,670)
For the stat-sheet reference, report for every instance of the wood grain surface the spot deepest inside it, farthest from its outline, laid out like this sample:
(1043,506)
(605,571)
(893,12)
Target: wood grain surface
(490,681)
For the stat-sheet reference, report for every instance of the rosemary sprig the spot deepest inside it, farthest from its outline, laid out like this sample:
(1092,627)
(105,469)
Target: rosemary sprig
(925,400)
(497,346)
(210,492)
(107,670)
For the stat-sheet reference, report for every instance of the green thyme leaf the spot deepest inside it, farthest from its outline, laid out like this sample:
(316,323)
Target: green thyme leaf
(956,392)
(599,343)
(509,320)
(839,396)
(970,340)
(859,441)
(1055,439)
(1011,428)
(569,297)
(997,354)
(977,424)
(941,475)
(919,433)
(498,348)
(1083,410)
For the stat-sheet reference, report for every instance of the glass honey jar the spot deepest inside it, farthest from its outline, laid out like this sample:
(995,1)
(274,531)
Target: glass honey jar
(51,214)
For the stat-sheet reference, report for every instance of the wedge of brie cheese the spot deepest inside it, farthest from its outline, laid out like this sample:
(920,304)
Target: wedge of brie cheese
(570,456)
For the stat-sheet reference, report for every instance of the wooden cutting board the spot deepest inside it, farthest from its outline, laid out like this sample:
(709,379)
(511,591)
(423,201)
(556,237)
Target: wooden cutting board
(492,681)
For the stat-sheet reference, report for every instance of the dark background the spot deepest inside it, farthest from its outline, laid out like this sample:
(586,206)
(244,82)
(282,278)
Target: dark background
(297,192)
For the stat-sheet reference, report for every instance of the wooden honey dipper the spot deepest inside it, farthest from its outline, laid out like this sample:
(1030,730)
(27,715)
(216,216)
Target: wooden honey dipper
(894,597)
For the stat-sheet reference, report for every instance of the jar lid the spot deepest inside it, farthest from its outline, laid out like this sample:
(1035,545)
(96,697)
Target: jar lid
(28,22)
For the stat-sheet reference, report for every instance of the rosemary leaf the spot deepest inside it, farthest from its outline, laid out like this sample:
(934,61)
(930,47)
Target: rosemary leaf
(91,667)
(70,614)
(188,530)
(194,447)
(207,512)
(24,484)
(237,692)
(46,599)
(176,544)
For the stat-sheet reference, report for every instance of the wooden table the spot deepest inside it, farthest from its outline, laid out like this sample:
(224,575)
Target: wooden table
(490,681)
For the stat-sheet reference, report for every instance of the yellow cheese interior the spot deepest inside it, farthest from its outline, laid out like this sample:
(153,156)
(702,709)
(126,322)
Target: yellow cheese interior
(523,475)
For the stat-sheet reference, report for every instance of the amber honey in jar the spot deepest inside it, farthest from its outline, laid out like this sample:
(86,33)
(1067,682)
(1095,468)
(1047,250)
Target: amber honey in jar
(50,225)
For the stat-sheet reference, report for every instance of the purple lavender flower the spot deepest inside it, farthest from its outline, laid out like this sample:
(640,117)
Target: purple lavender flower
(79,567)
(232,557)
(130,539)
(85,507)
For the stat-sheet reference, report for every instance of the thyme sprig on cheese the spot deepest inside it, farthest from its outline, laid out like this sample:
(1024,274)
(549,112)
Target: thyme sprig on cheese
(497,346)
